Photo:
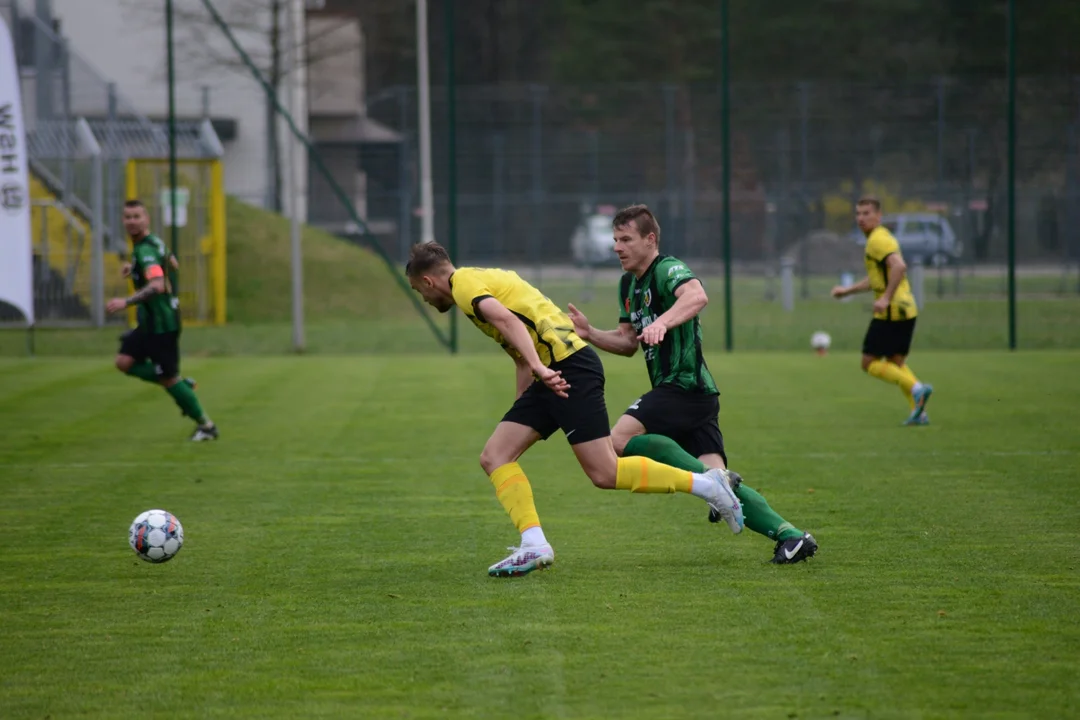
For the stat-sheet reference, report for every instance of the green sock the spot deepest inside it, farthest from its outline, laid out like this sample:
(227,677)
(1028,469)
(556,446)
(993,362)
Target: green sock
(145,371)
(761,518)
(757,514)
(663,450)
(187,400)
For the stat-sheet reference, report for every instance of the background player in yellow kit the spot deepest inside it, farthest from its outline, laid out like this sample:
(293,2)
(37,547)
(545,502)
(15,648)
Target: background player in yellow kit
(888,339)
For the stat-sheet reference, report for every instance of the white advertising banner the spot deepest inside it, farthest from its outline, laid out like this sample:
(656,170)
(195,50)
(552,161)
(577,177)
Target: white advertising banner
(16,251)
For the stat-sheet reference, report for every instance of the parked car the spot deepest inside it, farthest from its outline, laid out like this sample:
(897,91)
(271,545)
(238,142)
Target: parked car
(926,236)
(593,241)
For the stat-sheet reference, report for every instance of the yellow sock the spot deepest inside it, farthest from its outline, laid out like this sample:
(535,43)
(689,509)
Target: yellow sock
(906,369)
(890,373)
(642,475)
(514,492)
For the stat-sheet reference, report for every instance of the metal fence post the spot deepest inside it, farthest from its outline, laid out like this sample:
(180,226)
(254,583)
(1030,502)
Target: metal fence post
(804,173)
(1010,182)
(404,176)
(787,282)
(537,193)
(113,190)
(915,278)
(89,145)
(940,138)
(670,181)
(498,199)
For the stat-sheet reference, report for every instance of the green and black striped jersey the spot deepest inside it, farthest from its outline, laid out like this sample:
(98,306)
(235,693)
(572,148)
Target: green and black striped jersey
(678,359)
(150,259)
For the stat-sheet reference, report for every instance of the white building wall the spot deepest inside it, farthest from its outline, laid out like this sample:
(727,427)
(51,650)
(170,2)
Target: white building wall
(125,41)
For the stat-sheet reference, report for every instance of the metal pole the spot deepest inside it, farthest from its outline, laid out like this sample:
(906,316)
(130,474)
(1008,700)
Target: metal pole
(451,151)
(537,194)
(940,139)
(113,194)
(725,183)
(294,20)
(804,178)
(404,177)
(423,83)
(498,200)
(97,234)
(172,138)
(669,168)
(1010,181)
(594,165)
(43,60)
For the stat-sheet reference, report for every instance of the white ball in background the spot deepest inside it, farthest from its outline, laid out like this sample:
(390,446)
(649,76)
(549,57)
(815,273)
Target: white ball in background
(820,340)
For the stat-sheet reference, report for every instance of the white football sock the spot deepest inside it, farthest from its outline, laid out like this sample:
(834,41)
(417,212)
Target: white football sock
(702,486)
(533,536)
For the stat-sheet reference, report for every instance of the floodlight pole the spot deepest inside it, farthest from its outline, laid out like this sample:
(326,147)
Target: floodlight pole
(423,85)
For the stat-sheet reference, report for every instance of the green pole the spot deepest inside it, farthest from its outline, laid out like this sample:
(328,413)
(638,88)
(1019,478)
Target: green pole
(725,177)
(451,154)
(172,137)
(1010,173)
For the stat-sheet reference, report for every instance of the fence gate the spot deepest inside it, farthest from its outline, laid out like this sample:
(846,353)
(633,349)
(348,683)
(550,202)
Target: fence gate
(200,232)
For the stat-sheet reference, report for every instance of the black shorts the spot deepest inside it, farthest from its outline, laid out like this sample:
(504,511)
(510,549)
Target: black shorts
(885,338)
(689,418)
(162,349)
(582,416)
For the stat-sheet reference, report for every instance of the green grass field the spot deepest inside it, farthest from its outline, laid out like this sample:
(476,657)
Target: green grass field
(337,539)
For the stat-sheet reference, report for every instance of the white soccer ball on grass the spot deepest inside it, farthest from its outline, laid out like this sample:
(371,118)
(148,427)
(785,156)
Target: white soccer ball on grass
(156,536)
(820,341)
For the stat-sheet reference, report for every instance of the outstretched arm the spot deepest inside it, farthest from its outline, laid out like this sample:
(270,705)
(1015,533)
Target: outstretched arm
(621,341)
(843,290)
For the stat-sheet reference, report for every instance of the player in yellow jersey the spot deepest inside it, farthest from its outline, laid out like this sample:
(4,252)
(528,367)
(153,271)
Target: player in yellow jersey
(888,340)
(560,385)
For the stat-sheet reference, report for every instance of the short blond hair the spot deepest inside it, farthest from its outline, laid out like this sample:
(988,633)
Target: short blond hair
(425,257)
(870,200)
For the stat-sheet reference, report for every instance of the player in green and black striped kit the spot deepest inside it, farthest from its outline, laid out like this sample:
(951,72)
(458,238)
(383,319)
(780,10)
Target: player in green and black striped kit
(151,352)
(677,421)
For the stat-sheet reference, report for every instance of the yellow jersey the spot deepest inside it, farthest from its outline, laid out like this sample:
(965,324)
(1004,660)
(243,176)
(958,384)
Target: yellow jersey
(551,329)
(880,244)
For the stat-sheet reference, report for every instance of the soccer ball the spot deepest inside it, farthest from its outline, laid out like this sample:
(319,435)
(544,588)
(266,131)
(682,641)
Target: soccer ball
(820,341)
(156,536)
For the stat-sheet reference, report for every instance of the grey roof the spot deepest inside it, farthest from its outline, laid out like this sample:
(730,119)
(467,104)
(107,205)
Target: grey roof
(350,129)
(124,138)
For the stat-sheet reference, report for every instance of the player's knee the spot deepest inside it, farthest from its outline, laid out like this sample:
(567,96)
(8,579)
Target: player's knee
(866,360)
(619,442)
(491,461)
(603,478)
(124,363)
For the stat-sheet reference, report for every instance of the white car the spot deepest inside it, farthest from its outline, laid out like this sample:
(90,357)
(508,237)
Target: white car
(593,242)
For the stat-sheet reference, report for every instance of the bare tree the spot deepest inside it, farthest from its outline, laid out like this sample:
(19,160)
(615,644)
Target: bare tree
(259,27)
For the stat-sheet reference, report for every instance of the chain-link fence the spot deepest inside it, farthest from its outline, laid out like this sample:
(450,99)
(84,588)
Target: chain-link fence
(540,168)
(552,137)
